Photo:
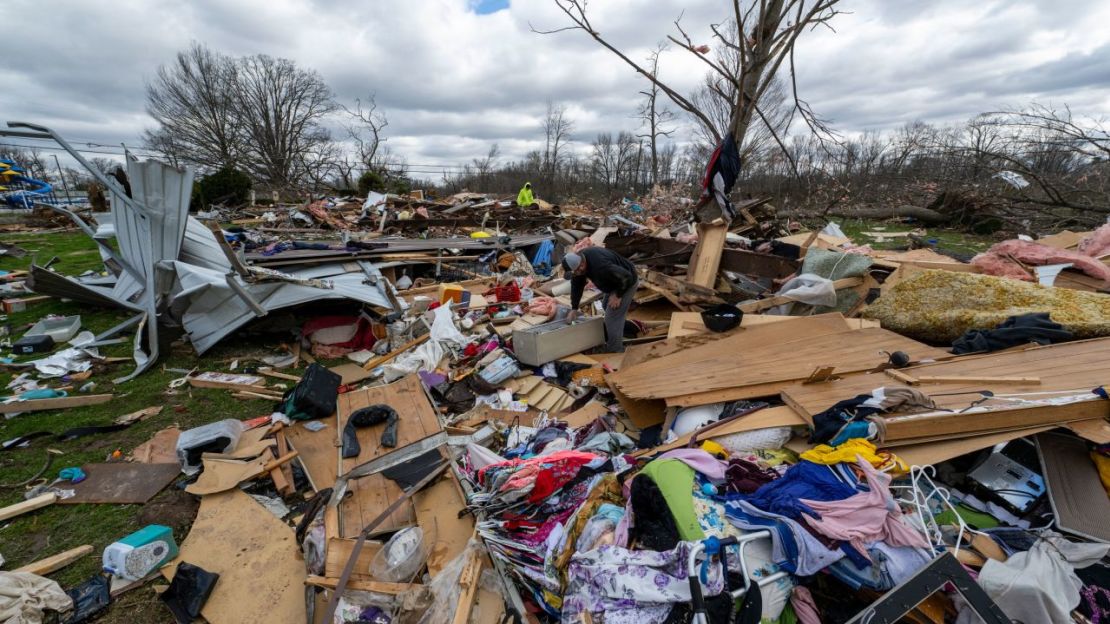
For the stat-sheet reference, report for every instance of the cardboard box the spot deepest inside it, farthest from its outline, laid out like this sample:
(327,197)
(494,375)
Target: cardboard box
(541,344)
(19,305)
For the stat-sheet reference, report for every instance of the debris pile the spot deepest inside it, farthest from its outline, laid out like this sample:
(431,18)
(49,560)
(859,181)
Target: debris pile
(791,426)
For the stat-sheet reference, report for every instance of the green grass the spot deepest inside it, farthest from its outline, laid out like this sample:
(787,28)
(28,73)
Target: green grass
(947,240)
(60,527)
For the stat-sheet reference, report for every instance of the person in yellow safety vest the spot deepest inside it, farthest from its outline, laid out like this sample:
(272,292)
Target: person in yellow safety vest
(524,197)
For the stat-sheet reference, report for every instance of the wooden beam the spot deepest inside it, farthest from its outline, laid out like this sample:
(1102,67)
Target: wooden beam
(42,567)
(29,505)
(283,474)
(911,426)
(909,380)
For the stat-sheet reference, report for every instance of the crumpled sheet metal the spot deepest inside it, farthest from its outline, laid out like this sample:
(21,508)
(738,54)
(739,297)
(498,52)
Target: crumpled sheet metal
(939,306)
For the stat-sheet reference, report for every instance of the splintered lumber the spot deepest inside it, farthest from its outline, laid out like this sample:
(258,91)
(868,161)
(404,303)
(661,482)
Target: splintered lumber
(378,361)
(468,580)
(750,365)
(42,567)
(706,258)
(338,551)
(38,405)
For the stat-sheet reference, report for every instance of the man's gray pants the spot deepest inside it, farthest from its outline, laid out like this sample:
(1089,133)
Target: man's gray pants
(614,321)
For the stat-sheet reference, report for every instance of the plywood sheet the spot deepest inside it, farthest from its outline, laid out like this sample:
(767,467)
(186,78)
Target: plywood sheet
(1079,366)
(437,513)
(350,373)
(317,451)
(256,555)
(943,450)
(221,474)
(584,415)
(735,364)
(368,498)
(417,418)
(122,483)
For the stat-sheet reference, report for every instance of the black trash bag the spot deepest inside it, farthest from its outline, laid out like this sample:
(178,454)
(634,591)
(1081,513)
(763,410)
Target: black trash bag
(368,417)
(89,599)
(188,591)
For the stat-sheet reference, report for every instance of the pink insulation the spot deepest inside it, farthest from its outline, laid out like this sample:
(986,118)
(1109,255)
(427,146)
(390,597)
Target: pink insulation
(1097,244)
(995,261)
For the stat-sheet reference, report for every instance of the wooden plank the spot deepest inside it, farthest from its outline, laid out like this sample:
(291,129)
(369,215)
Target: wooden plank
(317,451)
(585,415)
(383,359)
(780,416)
(27,506)
(339,551)
(416,417)
(437,513)
(42,567)
(1001,381)
(380,587)
(706,258)
(283,474)
(256,555)
(1097,431)
(38,405)
(910,426)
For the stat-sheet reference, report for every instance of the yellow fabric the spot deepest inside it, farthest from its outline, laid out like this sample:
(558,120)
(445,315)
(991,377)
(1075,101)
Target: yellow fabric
(524,197)
(1102,462)
(479,235)
(846,454)
(713,448)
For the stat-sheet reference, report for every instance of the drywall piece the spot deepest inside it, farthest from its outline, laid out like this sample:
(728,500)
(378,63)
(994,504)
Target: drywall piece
(256,555)
(122,483)
(1078,499)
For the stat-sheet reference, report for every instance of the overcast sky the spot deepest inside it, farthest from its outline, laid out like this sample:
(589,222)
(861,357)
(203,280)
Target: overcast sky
(455,76)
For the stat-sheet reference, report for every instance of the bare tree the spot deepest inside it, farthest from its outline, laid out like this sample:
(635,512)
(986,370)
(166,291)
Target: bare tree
(366,128)
(654,114)
(280,107)
(484,167)
(603,161)
(192,100)
(626,160)
(762,33)
(557,127)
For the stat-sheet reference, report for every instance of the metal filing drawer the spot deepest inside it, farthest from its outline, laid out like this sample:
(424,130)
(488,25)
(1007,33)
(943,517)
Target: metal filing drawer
(541,344)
